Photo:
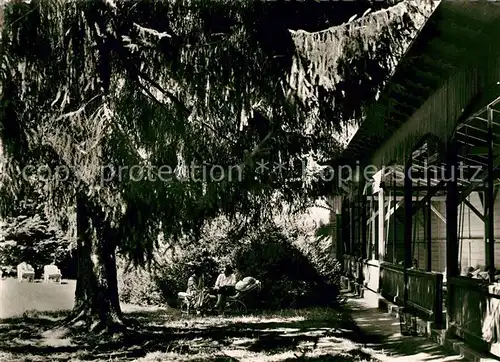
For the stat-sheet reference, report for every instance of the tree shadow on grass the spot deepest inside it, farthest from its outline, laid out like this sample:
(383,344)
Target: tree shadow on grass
(161,331)
(353,355)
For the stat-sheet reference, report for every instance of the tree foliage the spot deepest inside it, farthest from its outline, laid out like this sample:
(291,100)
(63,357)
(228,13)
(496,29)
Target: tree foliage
(294,270)
(33,240)
(89,84)
(28,235)
(102,86)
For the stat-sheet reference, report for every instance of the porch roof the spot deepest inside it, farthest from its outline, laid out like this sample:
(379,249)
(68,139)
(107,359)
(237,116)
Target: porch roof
(451,70)
(428,164)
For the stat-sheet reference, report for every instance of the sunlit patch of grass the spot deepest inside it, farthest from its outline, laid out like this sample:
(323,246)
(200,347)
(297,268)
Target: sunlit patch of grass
(166,335)
(7,357)
(171,356)
(342,352)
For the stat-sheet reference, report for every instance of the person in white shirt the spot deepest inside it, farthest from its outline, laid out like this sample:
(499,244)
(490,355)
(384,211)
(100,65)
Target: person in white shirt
(224,286)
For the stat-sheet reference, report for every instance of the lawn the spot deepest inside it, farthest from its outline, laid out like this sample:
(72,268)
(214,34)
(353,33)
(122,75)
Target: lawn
(164,334)
(16,297)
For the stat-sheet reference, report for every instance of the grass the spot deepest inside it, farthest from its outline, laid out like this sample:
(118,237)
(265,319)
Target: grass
(28,332)
(16,297)
(165,335)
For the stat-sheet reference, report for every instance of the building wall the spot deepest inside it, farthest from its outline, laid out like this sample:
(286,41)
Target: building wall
(471,235)
(438,245)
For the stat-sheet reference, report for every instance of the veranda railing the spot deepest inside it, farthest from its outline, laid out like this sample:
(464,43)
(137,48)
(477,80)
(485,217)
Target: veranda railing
(474,313)
(425,290)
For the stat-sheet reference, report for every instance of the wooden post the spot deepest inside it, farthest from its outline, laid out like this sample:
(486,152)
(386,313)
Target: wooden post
(364,228)
(428,224)
(359,244)
(490,201)
(338,249)
(360,225)
(438,310)
(388,223)
(342,247)
(408,193)
(346,227)
(451,224)
(394,224)
(351,225)
(373,246)
(486,209)
(381,234)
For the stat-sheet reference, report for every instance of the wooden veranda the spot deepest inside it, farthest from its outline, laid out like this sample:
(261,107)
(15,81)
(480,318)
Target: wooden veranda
(422,210)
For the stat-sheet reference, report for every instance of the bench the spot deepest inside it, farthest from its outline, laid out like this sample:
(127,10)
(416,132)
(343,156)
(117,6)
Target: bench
(51,272)
(25,271)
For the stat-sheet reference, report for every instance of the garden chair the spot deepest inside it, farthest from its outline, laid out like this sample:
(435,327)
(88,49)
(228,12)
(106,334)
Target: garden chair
(235,304)
(51,272)
(184,303)
(188,302)
(24,270)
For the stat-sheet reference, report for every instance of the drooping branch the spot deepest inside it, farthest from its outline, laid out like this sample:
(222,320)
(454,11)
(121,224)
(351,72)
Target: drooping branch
(180,105)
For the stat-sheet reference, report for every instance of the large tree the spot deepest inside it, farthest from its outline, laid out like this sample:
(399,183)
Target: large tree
(96,86)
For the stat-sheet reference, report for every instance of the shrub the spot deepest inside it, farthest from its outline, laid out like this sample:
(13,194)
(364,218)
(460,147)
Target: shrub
(33,239)
(291,276)
(161,284)
(288,277)
(172,277)
(327,266)
(139,287)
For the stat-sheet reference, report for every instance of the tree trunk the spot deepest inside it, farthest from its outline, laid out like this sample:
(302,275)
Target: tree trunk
(96,298)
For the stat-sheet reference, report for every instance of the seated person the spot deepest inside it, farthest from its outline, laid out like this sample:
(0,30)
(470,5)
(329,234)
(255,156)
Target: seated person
(480,272)
(224,286)
(469,272)
(194,291)
(414,264)
(464,272)
(484,274)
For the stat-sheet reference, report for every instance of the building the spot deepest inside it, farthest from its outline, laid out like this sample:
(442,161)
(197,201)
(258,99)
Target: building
(422,207)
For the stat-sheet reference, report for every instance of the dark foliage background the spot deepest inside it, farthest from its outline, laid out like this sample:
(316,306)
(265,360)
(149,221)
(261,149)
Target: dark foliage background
(29,236)
(289,278)
(293,275)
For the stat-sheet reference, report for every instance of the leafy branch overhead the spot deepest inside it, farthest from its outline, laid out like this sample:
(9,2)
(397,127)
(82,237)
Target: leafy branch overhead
(94,84)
